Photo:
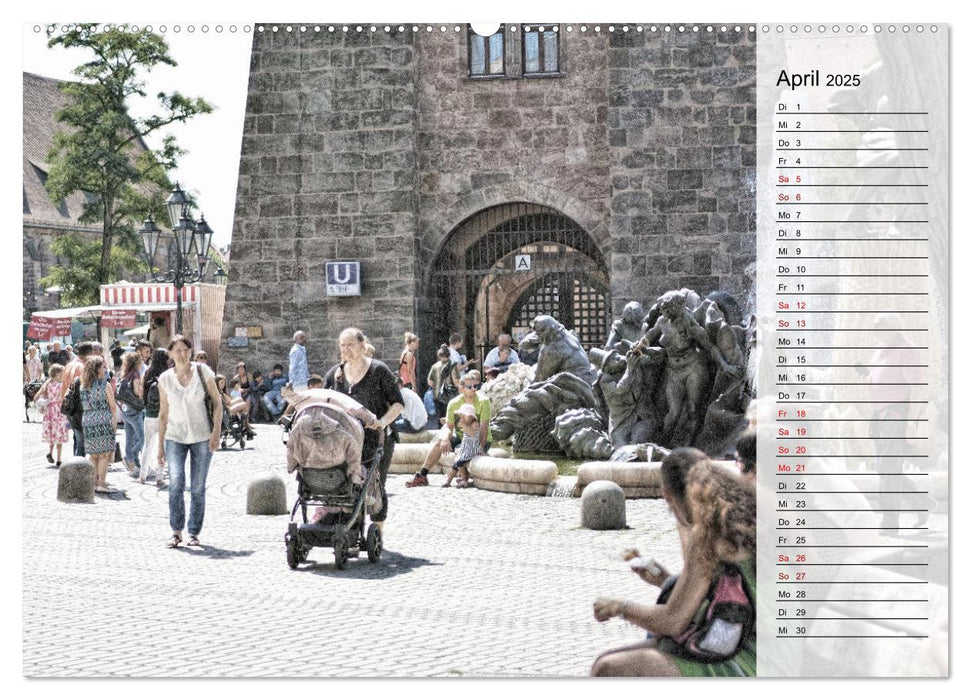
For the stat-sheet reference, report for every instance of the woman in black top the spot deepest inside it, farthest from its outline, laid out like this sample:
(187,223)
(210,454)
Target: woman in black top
(158,364)
(373,385)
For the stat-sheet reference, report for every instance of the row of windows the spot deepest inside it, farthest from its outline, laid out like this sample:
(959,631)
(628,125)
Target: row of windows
(540,52)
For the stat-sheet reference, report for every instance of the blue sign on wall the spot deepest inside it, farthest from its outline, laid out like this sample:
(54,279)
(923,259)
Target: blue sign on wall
(343,279)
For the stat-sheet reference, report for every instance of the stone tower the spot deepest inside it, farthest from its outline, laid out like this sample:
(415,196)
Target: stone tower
(474,201)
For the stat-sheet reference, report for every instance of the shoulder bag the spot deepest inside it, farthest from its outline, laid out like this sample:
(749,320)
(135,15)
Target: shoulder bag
(126,394)
(723,621)
(208,398)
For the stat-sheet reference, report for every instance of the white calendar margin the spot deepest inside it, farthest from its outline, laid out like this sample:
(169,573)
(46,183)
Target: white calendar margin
(566,11)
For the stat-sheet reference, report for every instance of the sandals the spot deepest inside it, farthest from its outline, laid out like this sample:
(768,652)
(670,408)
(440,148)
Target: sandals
(193,541)
(446,485)
(175,541)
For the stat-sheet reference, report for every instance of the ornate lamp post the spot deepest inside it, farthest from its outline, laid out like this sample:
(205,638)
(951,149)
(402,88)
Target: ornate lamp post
(192,241)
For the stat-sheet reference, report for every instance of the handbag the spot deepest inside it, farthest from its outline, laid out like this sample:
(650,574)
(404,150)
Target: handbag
(117,453)
(126,394)
(208,398)
(448,391)
(721,625)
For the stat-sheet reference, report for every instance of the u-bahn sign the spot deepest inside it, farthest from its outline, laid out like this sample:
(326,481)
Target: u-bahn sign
(343,279)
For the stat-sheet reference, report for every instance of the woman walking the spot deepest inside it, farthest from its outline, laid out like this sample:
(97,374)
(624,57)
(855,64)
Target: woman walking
(35,367)
(132,414)
(55,424)
(187,427)
(408,363)
(98,420)
(374,386)
(158,364)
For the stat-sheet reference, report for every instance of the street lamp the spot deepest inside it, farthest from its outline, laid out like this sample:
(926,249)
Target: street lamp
(190,238)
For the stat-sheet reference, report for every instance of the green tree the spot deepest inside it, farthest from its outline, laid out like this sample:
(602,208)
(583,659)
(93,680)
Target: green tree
(79,279)
(102,149)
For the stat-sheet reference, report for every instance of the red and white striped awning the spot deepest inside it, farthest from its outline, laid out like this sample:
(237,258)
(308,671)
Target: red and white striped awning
(142,294)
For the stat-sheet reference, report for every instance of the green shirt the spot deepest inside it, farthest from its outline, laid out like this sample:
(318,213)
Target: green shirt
(483,411)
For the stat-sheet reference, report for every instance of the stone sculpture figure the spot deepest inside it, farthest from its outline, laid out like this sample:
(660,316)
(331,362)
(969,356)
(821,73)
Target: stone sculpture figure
(628,383)
(686,375)
(560,351)
(626,331)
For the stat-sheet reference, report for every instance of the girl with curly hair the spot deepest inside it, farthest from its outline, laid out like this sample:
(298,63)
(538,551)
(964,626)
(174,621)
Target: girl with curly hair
(716,519)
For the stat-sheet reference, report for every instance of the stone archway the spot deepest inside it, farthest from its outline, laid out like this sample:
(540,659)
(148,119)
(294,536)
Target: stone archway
(478,284)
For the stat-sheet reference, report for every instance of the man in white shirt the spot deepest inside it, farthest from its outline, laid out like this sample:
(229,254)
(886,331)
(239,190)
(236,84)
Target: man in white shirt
(505,342)
(414,417)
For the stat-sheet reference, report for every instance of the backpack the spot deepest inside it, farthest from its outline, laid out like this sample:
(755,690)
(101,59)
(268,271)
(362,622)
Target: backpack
(71,407)
(153,401)
(721,625)
(447,389)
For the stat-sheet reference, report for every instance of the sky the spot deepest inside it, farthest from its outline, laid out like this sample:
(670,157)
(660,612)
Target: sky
(213,63)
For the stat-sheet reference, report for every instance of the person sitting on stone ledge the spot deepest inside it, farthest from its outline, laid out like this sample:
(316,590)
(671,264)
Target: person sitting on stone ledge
(716,519)
(414,416)
(272,401)
(451,436)
(495,359)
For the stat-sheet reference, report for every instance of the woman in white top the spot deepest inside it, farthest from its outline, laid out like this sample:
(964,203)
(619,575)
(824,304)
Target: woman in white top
(183,429)
(35,367)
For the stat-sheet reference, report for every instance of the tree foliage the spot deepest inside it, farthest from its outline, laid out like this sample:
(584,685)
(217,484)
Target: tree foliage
(79,279)
(102,151)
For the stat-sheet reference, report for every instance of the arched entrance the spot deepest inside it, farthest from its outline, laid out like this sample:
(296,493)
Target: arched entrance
(505,265)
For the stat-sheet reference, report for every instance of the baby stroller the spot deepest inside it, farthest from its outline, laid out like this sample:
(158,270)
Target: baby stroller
(30,391)
(233,430)
(324,449)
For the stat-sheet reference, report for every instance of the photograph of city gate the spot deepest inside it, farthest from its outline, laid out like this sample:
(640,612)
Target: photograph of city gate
(482,181)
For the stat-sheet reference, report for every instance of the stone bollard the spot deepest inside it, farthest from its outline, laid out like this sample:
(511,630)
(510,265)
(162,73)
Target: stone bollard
(602,506)
(266,495)
(75,481)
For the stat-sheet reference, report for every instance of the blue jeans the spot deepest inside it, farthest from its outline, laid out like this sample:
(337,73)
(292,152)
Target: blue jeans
(175,454)
(134,435)
(78,443)
(274,403)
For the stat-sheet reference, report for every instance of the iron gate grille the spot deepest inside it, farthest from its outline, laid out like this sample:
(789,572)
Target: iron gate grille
(476,289)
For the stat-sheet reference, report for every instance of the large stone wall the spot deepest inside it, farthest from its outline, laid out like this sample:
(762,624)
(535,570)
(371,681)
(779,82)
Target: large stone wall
(327,172)
(491,141)
(375,146)
(682,136)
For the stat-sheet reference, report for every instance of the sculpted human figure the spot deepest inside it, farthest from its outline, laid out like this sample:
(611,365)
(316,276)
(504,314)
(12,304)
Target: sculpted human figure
(626,331)
(628,383)
(560,352)
(685,375)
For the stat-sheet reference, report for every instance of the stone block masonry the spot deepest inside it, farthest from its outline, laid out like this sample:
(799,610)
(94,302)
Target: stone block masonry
(327,172)
(681,120)
(377,146)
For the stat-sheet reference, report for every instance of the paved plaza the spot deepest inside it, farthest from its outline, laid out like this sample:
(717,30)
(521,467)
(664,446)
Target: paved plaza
(471,583)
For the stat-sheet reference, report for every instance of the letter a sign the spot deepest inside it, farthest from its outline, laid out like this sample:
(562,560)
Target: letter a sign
(524,263)
(343,279)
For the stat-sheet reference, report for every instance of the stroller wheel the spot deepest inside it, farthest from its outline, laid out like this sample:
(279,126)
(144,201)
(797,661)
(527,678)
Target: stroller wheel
(374,544)
(242,443)
(340,550)
(222,445)
(293,552)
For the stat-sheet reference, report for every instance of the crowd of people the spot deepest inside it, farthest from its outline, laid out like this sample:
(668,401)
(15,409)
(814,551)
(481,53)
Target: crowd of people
(172,405)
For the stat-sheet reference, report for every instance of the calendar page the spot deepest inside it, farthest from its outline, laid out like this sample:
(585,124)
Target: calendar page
(486,350)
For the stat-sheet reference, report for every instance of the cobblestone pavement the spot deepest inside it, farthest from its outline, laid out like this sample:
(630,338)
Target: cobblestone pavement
(471,583)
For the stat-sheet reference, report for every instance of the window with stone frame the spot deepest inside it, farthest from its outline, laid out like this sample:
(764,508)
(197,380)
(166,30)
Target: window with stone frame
(486,53)
(541,50)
